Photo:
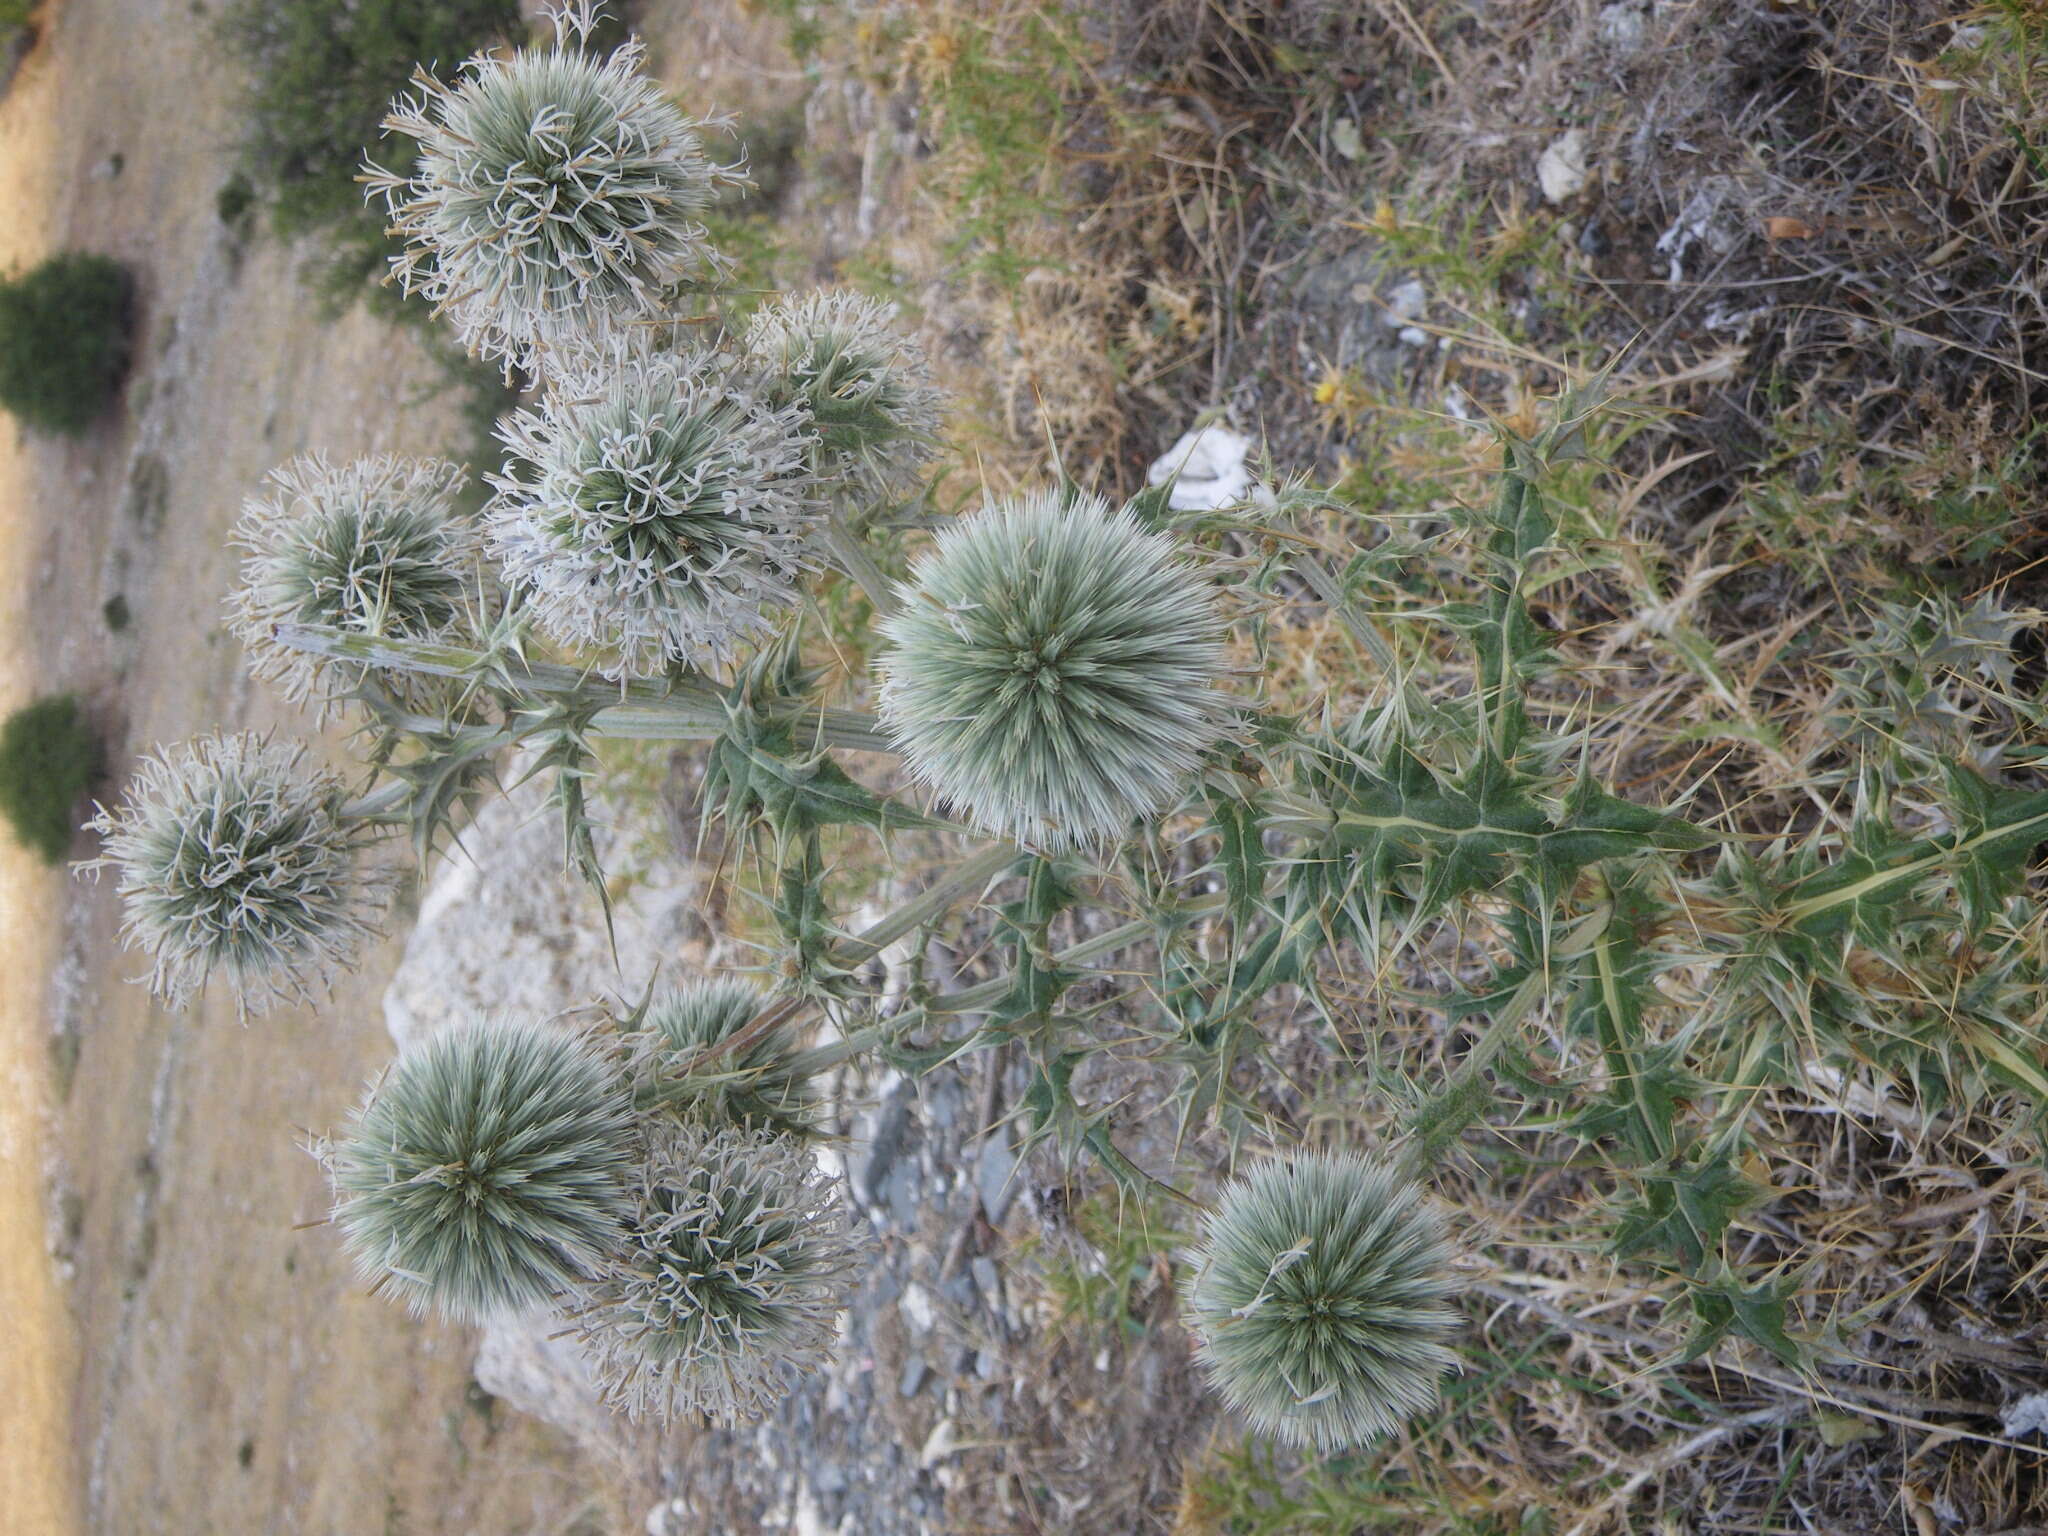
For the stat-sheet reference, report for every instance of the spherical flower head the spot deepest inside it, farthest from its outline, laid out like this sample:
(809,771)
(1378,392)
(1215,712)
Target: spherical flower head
(234,855)
(486,1172)
(654,511)
(555,193)
(736,1263)
(1052,670)
(374,547)
(1320,1294)
(676,1054)
(866,385)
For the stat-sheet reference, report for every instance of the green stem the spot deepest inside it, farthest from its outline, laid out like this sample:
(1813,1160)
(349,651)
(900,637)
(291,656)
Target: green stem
(378,803)
(986,994)
(1328,586)
(969,876)
(848,549)
(680,709)
(1422,1149)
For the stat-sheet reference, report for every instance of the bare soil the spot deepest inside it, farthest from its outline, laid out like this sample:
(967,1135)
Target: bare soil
(184,1354)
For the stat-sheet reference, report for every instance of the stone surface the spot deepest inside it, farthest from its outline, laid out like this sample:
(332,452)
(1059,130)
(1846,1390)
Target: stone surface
(1209,464)
(504,927)
(1561,169)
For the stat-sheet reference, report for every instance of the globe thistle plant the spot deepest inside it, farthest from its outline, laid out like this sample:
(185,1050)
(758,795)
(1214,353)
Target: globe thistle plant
(375,547)
(486,1171)
(234,855)
(654,511)
(866,385)
(1052,670)
(749,1085)
(736,1263)
(1320,1294)
(556,193)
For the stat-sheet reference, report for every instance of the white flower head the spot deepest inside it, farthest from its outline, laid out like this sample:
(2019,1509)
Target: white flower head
(866,384)
(654,511)
(374,547)
(736,1262)
(234,856)
(1320,1295)
(556,193)
(484,1172)
(1052,670)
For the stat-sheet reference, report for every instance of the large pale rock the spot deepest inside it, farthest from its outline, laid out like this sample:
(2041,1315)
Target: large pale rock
(505,929)
(1207,469)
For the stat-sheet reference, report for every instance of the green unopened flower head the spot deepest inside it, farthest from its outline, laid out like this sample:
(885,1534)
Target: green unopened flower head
(736,1263)
(1320,1294)
(234,856)
(676,1058)
(866,384)
(654,511)
(486,1171)
(1052,670)
(556,194)
(374,547)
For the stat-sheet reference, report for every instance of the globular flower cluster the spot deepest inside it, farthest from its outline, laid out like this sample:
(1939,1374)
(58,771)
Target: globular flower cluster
(234,856)
(557,195)
(487,1171)
(866,385)
(1320,1292)
(1052,670)
(376,546)
(654,510)
(736,1263)
(681,1056)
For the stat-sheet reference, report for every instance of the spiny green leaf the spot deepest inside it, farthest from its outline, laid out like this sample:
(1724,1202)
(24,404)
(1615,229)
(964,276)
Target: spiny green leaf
(1996,829)
(1684,1210)
(1722,1305)
(1646,1085)
(1241,857)
(1051,1114)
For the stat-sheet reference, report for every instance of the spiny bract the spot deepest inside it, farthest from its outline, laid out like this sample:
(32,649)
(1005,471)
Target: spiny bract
(1053,670)
(736,1263)
(234,855)
(653,510)
(751,1085)
(1320,1293)
(486,1172)
(866,385)
(375,547)
(556,194)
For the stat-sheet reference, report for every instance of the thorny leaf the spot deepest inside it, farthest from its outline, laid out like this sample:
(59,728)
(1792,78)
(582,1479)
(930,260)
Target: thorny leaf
(1684,1209)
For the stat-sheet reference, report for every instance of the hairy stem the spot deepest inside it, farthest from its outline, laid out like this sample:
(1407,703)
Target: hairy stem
(852,555)
(681,709)
(379,803)
(968,877)
(984,994)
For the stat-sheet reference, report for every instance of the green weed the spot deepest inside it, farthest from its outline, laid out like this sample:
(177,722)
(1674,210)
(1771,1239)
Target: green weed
(48,757)
(65,337)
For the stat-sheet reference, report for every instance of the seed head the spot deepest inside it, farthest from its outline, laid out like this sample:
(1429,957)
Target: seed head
(555,194)
(1320,1294)
(866,385)
(486,1172)
(234,856)
(736,1262)
(659,513)
(1052,670)
(376,547)
(751,1085)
